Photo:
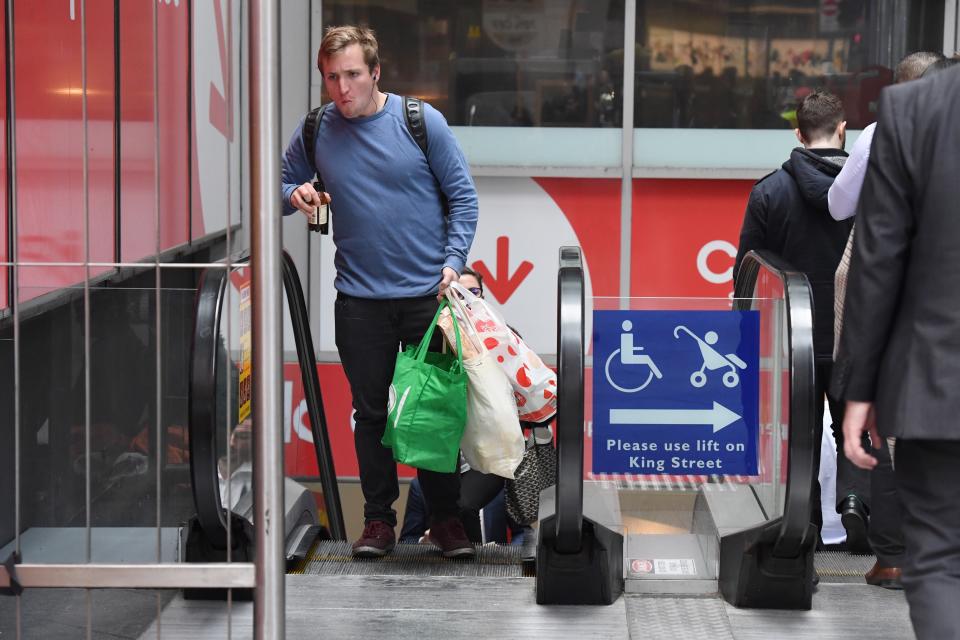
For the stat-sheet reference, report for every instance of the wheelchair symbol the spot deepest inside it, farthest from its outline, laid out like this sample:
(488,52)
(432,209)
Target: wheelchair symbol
(629,355)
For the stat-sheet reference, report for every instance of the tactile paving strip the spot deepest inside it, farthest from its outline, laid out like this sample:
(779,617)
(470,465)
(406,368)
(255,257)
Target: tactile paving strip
(661,618)
(842,567)
(333,557)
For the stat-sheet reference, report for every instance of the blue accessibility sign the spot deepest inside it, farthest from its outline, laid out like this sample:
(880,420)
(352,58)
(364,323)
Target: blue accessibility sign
(676,392)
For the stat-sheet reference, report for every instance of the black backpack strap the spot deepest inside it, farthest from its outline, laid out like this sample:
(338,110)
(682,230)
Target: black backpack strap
(413,112)
(417,126)
(311,125)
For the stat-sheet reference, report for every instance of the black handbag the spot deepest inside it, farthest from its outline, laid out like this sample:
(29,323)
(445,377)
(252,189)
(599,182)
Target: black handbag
(537,471)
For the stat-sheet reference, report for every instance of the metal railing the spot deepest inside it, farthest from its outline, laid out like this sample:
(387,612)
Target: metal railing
(266,574)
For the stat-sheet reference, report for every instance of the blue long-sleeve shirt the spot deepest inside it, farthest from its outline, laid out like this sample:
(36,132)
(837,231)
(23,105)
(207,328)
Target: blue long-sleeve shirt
(392,234)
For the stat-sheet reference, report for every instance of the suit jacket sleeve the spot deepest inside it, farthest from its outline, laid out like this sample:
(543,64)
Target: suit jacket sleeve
(881,246)
(753,233)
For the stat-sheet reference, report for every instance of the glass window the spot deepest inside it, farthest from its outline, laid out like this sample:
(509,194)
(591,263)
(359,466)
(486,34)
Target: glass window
(740,65)
(541,76)
(505,64)
(551,63)
(712,66)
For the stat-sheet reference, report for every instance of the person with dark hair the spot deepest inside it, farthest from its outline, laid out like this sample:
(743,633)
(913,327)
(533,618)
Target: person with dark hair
(405,219)
(787,214)
(882,512)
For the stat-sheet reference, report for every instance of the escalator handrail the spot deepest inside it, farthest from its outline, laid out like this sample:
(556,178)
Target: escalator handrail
(203,401)
(202,404)
(311,389)
(801,459)
(570,401)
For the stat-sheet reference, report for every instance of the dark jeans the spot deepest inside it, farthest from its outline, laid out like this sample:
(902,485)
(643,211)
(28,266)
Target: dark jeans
(369,334)
(477,491)
(851,479)
(928,474)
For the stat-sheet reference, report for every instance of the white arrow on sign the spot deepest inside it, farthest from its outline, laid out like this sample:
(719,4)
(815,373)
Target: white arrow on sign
(719,416)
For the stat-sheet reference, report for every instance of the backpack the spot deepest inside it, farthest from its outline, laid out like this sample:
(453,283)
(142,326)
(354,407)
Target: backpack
(413,114)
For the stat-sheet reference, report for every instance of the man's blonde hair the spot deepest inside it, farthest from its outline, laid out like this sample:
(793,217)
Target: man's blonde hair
(336,39)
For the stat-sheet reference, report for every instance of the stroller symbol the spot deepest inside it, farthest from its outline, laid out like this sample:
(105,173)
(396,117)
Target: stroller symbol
(712,359)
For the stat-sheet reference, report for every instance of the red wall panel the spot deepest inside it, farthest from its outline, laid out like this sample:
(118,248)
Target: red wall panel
(174,63)
(673,220)
(4,238)
(138,217)
(592,206)
(50,135)
(299,452)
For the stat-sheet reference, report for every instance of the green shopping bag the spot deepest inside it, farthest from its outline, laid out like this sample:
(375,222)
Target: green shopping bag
(427,408)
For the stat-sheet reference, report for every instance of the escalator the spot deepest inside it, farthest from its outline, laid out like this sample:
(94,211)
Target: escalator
(220,427)
(749,538)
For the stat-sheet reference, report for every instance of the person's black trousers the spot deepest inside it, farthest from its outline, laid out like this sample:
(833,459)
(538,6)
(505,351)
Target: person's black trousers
(886,534)
(476,491)
(368,335)
(876,489)
(851,479)
(928,480)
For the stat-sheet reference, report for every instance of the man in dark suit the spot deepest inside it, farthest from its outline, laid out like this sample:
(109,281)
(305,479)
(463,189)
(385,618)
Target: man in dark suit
(899,362)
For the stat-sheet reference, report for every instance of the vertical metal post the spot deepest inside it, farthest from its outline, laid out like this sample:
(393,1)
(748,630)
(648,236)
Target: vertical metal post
(626,148)
(87,436)
(951,24)
(157,311)
(268,610)
(13,289)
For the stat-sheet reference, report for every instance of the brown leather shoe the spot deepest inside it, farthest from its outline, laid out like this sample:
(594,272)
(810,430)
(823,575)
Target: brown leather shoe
(886,577)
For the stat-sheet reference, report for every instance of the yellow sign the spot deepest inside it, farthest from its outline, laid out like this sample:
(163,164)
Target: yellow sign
(246,354)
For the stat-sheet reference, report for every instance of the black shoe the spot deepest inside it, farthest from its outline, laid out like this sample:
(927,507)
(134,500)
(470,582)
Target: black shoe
(853,516)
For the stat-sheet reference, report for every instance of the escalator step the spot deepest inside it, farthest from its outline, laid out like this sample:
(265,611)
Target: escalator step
(333,557)
(841,567)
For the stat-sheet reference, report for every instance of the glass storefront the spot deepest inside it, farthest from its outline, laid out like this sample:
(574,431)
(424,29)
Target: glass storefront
(699,65)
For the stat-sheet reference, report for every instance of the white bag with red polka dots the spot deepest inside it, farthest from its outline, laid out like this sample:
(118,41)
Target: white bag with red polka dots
(534,383)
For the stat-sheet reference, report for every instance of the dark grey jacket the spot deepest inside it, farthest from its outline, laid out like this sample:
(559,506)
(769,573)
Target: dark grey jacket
(900,346)
(787,214)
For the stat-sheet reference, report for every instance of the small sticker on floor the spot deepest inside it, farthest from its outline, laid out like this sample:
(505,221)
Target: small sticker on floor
(641,566)
(662,567)
(681,567)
